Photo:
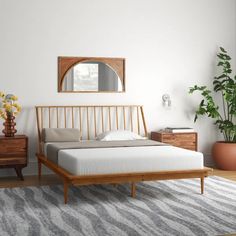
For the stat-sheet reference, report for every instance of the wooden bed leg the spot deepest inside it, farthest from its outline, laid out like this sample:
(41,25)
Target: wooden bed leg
(202,184)
(133,190)
(66,185)
(39,169)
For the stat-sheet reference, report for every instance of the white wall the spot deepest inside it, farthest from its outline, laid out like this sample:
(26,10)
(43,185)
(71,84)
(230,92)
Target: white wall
(168,45)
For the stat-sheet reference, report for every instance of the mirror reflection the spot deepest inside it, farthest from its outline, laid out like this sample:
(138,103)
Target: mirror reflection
(91,76)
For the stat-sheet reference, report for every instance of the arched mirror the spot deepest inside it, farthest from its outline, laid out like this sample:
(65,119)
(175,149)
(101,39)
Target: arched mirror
(87,74)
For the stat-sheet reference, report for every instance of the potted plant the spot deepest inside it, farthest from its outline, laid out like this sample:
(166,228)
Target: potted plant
(223,152)
(8,109)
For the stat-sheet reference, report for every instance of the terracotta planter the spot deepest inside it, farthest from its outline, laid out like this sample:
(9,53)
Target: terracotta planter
(224,155)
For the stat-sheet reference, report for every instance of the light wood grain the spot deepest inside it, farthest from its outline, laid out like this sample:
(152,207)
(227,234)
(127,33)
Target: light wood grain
(120,178)
(72,117)
(133,190)
(32,180)
(68,178)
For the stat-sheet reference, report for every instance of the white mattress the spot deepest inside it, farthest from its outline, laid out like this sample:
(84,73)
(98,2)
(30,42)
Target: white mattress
(97,161)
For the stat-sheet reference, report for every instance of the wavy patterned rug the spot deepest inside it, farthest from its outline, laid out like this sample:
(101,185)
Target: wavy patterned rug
(161,208)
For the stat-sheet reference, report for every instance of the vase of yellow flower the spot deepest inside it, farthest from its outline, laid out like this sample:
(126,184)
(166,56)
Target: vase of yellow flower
(9,108)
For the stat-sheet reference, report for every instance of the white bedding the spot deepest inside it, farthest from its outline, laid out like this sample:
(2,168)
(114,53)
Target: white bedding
(97,161)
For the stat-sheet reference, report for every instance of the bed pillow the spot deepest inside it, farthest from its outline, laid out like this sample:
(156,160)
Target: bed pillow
(61,135)
(115,135)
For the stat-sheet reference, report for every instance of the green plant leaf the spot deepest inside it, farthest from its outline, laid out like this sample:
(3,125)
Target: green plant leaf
(221,76)
(222,50)
(221,63)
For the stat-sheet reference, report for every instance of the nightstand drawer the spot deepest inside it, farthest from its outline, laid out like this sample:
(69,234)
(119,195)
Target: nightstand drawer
(13,145)
(183,140)
(13,154)
(178,136)
(12,161)
(180,139)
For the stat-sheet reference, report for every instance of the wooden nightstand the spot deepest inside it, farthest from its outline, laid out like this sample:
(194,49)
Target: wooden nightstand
(14,153)
(183,140)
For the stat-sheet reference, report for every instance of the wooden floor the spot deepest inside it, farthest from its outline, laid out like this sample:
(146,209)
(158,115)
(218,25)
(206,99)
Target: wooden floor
(10,182)
(231,175)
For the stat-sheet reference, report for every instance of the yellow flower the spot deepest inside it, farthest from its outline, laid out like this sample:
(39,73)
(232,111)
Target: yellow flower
(2,94)
(7,106)
(16,105)
(14,98)
(18,109)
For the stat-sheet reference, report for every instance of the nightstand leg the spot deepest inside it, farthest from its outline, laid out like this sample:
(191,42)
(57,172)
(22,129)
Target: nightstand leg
(19,173)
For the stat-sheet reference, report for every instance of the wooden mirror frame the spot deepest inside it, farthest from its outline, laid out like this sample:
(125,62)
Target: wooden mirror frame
(66,63)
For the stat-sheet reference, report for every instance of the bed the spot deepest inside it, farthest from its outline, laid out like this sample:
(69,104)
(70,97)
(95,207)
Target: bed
(90,161)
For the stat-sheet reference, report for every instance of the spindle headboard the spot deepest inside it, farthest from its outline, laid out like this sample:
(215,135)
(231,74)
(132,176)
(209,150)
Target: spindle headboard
(91,119)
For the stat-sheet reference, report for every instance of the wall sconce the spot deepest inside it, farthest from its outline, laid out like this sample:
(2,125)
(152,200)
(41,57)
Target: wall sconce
(166,100)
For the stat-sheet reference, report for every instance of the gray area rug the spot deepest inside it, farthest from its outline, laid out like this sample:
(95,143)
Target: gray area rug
(173,207)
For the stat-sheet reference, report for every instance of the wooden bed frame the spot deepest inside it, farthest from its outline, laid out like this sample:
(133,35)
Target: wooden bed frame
(99,118)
